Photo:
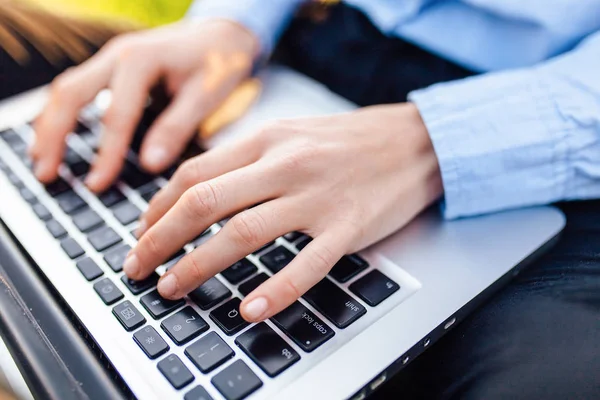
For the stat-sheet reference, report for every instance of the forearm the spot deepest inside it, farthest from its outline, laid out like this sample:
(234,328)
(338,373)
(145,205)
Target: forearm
(518,138)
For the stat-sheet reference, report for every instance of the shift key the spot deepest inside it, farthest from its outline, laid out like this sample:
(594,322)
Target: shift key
(303,326)
(335,304)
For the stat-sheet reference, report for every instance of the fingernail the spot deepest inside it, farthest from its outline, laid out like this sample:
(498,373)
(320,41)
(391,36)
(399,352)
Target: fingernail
(131,266)
(141,229)
(93,179)
(167,286)
(156,157)
(256,308)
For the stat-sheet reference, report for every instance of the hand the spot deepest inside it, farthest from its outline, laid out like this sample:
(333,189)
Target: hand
(199,63)
(346,180)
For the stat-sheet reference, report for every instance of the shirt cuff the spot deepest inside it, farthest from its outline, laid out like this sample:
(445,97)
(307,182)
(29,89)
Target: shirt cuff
(265,18)
(500,139)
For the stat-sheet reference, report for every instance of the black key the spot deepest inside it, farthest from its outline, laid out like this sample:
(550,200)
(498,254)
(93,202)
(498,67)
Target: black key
(42,212)
(55,228)
(133,177)
(239,271)
(208,352)
(149,195)
(70,202)
(168,174)
(103,238)
(175,372)
(87,220)
(115,257)
(228,317)
(302,325)
(237,381)
(28,195)
(211,293)
(292,236)
(334,303)
(111,197)
(148,188)
(267,349)
(252,283)
(57,187)
(137,287)
(150,341)
(184,325)
(255,252)
(89,269)
(348,267)
(157,306)
(128,315)
(374,287)
(276,259)
(107,291)
(80,168)
(80,129)
(71,157)
(126,212)
(11,137)
(71,247)
(197,393)
(302,243)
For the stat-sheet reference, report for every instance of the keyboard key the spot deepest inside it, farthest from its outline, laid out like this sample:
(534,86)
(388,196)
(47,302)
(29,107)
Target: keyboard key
(89,269)
(107,291)
(276,259)
(116,256)
(306,329)
(126,212)
(335,304)
(237,381)
(70,202)
(150,341)
(157,306)
(184,325)
(71,157)
(42,212)
(111,197)
(71,247)
(175,372)
(211,293)
(267,349)
(103,238)
(302,243)
(148,188)
(374,287)
(28,195)
(197,393)
(292,236)
(14,179)
(87,220)
(134,177)
(247,287)
(128,315)
(80,168)
(57,187)
(348,267)
(239,271)
(55,229)
(150,194)
(137,287)
(255,252)
(228,317)
(208,352)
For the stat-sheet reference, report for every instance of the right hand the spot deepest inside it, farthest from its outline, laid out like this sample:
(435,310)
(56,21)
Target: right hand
(200,63)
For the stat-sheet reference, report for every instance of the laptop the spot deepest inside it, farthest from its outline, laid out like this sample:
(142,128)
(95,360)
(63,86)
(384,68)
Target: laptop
(369,318)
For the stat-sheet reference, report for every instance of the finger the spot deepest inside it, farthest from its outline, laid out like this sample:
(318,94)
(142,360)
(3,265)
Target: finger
(172,131)
(199,207)
(132,80)
(209,165)
(243,234)
(70,92)
(309,267)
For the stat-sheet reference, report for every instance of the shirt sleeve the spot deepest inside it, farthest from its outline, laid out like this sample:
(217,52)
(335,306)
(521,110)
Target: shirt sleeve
(265,18)
(518,138)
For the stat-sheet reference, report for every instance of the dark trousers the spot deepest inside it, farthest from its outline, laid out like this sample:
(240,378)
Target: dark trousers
(539,338)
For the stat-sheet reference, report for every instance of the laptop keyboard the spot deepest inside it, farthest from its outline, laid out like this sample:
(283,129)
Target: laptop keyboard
(184,323)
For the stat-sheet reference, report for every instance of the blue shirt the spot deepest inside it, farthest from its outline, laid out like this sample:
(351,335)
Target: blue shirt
(527,130)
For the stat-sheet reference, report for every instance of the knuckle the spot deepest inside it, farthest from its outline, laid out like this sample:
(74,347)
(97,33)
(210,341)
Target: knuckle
(187,173)
(201,200)
(249,227)
(320,261)
(194,271)
(271,131)
(152,248)
(291,288)
(301,158)
(64,86)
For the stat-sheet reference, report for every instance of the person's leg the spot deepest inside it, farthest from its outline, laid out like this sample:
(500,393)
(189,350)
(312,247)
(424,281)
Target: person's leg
(539,337)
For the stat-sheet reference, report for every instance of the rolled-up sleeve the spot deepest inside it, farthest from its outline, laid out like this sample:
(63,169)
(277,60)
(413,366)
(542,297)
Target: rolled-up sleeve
(265,18)
(518,138)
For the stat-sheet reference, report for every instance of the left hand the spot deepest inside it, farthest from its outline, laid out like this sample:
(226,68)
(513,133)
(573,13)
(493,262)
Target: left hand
(346,180)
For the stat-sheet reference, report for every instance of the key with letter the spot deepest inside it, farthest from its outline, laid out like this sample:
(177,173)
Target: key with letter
(303,326)
(334,303)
